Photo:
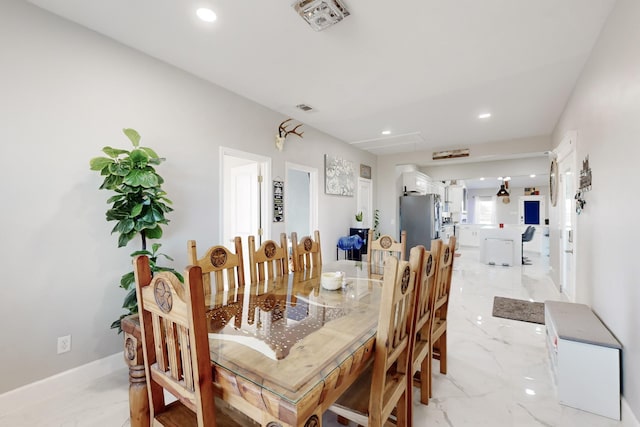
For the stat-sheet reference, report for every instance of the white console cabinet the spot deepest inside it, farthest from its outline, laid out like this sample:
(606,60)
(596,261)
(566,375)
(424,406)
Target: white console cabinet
(585,359)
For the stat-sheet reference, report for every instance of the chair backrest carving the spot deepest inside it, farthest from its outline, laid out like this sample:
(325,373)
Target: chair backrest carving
(306,253)
(382,248)
(221,269)
(270,260)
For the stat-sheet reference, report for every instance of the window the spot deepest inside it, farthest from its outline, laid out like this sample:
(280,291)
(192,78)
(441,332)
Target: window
(485,210)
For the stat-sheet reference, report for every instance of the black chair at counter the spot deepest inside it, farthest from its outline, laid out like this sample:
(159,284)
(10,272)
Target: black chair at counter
(526,237)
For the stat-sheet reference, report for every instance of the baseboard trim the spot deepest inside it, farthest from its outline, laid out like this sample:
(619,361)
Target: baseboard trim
(15,399)
(626,415)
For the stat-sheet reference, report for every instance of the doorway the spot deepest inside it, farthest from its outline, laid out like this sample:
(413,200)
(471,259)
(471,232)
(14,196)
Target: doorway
(301,199)
(365,201)
(566,159)
(244,195)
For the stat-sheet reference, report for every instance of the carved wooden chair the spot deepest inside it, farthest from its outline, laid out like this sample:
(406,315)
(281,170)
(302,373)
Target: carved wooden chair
(444,272)
(424,264)
(381,249)
(383,388)
(222,270)
(270,260)
(175,345)
(307,253)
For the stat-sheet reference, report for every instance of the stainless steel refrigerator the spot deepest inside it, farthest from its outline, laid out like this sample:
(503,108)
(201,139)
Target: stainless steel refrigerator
(420,218)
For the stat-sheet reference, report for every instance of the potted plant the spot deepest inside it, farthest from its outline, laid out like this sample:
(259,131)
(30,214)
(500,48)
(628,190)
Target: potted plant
(138,206)
(359,217)
(376,224)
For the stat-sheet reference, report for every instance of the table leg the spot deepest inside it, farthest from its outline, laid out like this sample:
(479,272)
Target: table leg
(138,395)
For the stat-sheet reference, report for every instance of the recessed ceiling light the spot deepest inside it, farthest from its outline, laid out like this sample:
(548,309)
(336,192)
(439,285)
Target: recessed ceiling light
(533,175)
(484,115)
(482,179)
(386,132)
(207,15)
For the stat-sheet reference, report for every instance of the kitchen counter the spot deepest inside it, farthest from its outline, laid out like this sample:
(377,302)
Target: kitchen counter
(500,246)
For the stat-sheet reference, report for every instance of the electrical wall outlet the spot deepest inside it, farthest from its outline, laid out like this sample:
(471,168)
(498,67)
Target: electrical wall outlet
(64,344)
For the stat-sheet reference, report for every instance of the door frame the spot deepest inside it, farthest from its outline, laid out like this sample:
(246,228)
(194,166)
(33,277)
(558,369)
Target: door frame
(566,158)
(265,189)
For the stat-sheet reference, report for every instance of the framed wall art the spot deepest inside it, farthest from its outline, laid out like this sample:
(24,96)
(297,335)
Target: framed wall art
(365,171)
(339,176)
(278,201)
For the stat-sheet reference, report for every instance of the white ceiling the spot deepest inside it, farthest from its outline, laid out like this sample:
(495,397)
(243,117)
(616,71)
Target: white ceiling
(423,69)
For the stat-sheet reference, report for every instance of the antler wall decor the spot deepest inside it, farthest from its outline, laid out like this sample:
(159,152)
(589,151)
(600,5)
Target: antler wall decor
(283,133)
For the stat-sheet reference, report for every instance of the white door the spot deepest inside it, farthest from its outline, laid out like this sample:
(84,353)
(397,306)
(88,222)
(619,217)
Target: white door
(244,197)
(567,216)
(365,201)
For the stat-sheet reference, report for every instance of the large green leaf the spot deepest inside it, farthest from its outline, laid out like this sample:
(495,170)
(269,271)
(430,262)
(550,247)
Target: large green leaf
(154,233)
(125,225)
(158,215)
(113,152)
(99,163)
(136,210)
(116,198)
(164,207)
(141,252)
(141,224)
(165,256)
(150,152)
(127,279)
(113,214)
(130,300)
(111,182)
(139,158)
(133,136)
(126,238)
(141,178)
(121,168)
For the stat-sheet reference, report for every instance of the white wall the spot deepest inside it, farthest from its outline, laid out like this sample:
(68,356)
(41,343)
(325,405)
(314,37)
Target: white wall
(65,93)
(506,213)
(605,111)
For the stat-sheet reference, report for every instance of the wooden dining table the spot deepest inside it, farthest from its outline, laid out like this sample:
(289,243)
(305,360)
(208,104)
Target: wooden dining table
(282,350)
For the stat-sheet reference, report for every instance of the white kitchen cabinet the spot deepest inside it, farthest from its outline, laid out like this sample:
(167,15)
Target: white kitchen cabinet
(498,251)
(585,359)
(415,181)
(456,198)
(469,235)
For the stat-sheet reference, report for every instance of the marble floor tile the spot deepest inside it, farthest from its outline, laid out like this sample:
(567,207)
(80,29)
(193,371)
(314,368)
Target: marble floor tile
(498,370)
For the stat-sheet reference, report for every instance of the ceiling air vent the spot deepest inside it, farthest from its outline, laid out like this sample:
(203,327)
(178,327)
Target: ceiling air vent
(304,107)
(450,154)
(321,14)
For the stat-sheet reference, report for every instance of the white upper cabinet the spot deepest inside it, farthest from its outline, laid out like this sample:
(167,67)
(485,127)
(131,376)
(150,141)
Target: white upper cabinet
(457,202)
(415,181)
